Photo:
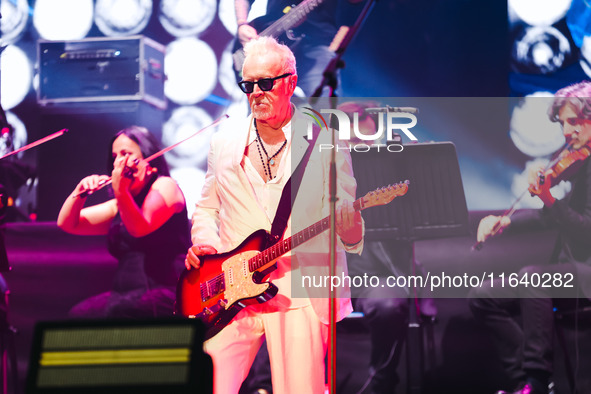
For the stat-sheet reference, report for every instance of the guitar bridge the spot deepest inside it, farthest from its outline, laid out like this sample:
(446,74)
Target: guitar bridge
(212,287)
(207,312)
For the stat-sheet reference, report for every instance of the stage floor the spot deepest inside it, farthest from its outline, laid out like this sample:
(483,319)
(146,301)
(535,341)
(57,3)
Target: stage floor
(52,271)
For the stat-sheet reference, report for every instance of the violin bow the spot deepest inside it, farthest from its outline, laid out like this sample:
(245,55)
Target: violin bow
(478,245)
(36,143)
(106,182)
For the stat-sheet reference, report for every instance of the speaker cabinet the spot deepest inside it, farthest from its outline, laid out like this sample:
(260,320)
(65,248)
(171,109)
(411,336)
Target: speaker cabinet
(101,69)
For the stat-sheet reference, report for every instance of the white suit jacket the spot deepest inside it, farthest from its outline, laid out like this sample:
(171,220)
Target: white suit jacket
(228,212)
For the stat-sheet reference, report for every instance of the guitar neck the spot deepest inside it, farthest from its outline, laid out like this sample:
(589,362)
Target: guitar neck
(294,17)
(268,256)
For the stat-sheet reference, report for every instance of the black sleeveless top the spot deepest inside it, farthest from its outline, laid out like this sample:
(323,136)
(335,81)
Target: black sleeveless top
(154,260)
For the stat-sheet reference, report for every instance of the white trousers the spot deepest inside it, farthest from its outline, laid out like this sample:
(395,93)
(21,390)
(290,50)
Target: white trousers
(296,340)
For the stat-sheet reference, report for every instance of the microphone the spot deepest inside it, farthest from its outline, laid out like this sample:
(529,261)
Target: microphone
(387,108)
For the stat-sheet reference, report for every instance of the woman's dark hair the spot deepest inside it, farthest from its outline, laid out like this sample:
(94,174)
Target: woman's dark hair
(148,146)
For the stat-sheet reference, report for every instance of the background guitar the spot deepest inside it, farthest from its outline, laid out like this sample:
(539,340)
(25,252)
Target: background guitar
(281,25)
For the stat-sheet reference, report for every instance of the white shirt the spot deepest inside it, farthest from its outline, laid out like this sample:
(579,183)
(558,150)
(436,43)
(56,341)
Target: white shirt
(268,195)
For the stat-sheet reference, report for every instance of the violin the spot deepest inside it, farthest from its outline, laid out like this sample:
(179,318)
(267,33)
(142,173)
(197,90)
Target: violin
(566,165)
(129,171)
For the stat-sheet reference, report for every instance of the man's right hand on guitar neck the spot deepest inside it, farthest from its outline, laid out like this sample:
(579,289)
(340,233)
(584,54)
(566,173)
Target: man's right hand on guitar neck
(192,259)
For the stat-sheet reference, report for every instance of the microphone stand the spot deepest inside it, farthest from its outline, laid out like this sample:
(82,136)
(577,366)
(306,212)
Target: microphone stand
(329,78)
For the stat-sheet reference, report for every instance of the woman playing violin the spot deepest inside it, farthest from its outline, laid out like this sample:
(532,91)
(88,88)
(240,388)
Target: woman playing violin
(146,224)
(525,348)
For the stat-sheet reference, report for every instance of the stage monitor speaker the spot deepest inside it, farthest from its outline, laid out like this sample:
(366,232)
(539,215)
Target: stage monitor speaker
(116,357)
(84,149)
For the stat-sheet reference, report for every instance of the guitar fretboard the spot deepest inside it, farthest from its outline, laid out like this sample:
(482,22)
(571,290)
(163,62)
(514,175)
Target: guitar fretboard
(270,254)
(295,16)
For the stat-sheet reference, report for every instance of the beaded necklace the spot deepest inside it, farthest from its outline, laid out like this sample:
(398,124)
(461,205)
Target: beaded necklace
(270,160)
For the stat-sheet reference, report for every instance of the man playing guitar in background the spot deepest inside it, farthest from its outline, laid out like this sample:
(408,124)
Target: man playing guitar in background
(315,26)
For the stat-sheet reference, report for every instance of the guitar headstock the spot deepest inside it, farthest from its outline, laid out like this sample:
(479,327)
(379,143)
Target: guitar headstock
(384,195)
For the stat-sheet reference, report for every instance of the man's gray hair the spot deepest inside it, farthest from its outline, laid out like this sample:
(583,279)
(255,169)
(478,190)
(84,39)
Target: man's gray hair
(262,46)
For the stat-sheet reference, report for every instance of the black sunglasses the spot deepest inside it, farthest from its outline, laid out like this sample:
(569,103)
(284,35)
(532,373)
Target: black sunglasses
(265,84)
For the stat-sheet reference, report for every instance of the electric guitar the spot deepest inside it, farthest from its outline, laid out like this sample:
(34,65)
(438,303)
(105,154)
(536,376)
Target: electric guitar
(294,17)
(228,282)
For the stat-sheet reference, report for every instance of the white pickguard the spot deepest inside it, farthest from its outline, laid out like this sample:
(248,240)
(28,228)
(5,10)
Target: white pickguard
(238,278)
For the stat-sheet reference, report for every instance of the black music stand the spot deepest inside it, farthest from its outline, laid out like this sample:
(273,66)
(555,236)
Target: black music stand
(433,207)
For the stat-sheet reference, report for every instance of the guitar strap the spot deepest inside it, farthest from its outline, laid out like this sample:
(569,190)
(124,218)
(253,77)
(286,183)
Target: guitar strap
(293,184)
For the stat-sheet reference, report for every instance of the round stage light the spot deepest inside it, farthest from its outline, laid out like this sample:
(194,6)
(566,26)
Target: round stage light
(17,73)
(18,139)
(238,110)
(184,122)
(227,14)
(585,60)
(190,180)
(63,19)
(183,18)
(191,70)
(122,17)
(530,129)
(15,15)
(577,21)
(540,50)
(227,74)
(539,13)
